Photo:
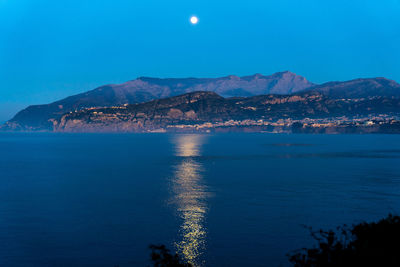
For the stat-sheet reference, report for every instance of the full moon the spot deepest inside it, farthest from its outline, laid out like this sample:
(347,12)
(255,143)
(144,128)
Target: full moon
(194,20)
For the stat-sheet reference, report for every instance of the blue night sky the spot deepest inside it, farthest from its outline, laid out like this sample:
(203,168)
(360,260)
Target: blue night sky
(51,49)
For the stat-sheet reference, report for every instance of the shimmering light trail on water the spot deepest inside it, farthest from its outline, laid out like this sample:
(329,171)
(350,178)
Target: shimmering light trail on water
(221,199)
(190,197)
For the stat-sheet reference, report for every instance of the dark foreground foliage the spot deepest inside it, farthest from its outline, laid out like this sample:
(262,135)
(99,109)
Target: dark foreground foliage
(162,257)
(365,244)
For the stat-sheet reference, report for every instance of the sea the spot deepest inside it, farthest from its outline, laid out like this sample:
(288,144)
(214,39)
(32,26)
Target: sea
(233,199)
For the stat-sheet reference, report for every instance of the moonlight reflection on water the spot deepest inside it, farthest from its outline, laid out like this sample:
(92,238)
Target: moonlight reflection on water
(190,198)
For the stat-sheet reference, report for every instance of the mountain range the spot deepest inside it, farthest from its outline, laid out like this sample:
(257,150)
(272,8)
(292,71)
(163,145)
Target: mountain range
(231,94)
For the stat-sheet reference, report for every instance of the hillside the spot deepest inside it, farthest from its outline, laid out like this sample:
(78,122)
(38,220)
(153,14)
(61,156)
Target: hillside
(359,88)
(144,89)
(209,110)
(151,103)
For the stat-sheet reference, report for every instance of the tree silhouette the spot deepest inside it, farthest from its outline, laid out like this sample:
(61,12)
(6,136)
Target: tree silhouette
(365,244)
(162,257)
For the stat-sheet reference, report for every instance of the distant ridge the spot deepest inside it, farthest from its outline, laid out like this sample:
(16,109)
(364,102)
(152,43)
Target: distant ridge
(359,88)
(144,89)
(264,90)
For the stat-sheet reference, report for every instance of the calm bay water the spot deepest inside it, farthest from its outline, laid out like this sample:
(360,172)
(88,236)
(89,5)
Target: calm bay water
(219,200)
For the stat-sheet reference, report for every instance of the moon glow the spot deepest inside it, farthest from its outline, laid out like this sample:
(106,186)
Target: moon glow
(194,20)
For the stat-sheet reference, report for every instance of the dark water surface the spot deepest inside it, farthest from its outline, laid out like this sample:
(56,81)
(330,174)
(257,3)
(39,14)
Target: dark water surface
(220,200)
